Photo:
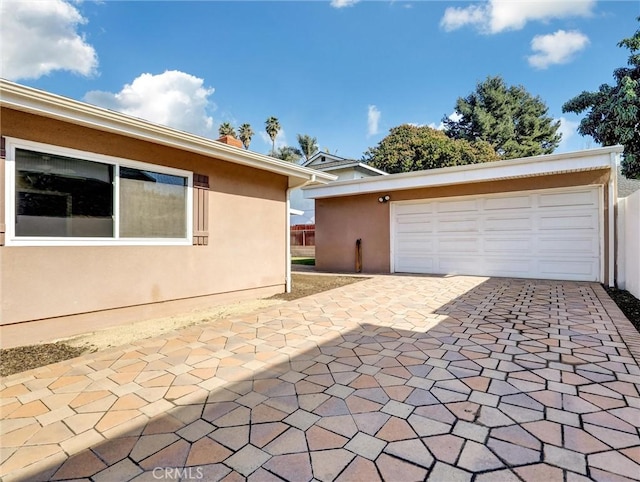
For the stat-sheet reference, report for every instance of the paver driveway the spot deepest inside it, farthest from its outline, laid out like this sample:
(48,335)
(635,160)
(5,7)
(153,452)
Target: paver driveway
(397,378)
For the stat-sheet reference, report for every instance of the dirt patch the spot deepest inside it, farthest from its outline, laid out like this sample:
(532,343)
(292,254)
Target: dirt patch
(306,285)
(628,304)
(19,359)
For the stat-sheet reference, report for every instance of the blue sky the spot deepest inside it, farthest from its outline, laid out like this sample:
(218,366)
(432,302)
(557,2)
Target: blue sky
(343,71)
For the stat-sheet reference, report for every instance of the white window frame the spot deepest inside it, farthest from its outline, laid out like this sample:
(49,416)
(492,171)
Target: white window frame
(10,199)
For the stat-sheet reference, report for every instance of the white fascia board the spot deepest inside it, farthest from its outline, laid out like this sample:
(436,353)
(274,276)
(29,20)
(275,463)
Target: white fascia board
(42,103)
(489,171)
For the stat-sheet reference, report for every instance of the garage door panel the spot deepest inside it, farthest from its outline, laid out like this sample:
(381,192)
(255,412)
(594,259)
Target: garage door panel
(417,244)
(511,245)
(569,222)
(553,234)
(563,199)
(458,265)
(457,225)
(455,245)
(510,202)
(575,269)
(508,223)
(470,205)
(425,227)
(416,264)
(415,208)
(414,218)
(568,246)
(508,266)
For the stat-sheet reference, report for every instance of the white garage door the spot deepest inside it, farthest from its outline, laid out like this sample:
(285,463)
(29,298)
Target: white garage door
(550,234)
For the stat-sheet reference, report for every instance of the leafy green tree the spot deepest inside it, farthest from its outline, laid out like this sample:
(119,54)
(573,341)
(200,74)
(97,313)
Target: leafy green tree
(245,133)
(308,145)
(412,148)
(272,126)
(514,122)
(288,153)
(226,129)
(613,115)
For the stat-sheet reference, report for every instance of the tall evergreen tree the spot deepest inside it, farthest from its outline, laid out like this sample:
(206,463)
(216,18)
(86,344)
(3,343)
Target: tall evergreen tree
(272,126)
(245,133)
(514,122)
(613,112)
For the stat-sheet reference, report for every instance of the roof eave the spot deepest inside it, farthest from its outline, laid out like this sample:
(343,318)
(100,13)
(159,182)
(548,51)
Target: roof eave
(601,158)
(50,105)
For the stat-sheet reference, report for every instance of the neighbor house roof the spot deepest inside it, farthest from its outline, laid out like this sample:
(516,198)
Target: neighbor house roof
(34,101)
(591,159)
(324,161)
(627,186)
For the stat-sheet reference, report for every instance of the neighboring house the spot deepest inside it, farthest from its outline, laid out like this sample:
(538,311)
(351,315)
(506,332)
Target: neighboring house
(550,217)
(626,186)
(106,218)
(344,169)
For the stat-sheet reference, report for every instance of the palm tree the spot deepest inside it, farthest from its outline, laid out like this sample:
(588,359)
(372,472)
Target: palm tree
(272,128)
(288,153)
(308,145)
(246,133)
(226,129)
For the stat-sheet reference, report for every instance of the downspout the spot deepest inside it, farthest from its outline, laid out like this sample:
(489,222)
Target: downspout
(288,234)
(612,191)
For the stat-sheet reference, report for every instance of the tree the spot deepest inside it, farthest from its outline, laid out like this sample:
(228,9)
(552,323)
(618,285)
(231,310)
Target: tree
(412,148)
(288,153)
(226,129)
(245,134)
(272,127)
(514,122)
(613,115)
(308,145)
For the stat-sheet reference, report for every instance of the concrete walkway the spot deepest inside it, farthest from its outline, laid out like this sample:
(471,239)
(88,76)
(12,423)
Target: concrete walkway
(396,378)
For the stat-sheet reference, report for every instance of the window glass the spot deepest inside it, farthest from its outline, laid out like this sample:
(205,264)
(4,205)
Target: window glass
(62,197)
(152,205)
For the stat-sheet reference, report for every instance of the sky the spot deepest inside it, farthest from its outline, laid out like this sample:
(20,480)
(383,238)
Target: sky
(342,71)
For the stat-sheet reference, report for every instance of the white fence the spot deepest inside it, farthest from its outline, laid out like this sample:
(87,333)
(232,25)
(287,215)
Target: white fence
(629,243)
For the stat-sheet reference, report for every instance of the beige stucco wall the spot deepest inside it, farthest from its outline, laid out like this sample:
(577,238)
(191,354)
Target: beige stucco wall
(246,249)
(342,220)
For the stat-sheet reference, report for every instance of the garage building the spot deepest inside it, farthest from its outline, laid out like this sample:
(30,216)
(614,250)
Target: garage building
(543,217)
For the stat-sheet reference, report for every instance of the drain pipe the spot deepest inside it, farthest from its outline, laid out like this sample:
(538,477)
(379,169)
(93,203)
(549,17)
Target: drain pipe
(287,281)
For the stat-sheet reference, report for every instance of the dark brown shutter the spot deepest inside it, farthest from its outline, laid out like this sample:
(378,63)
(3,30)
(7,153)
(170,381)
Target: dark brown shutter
(200,210)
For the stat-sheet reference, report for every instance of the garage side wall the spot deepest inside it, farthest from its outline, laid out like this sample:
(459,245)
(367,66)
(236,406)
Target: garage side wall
(340,221)
(245,252)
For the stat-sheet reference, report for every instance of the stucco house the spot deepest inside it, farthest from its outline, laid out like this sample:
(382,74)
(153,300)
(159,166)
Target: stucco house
(106,218)
(549,217)
(343,168)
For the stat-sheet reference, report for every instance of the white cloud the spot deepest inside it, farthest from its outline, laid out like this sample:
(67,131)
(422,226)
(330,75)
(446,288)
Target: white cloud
(568,129)
(172,98)
(343,3)
(454,116)
(556,48)
(39,37)
(373,119)
(499,15)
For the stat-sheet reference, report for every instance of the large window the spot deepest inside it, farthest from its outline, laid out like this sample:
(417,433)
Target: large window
(63,195)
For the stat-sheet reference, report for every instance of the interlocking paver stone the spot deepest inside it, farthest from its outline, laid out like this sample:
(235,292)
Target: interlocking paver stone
(436,378)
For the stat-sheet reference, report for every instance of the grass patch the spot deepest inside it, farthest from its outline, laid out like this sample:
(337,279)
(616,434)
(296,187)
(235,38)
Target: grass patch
(305,261)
